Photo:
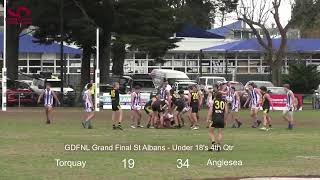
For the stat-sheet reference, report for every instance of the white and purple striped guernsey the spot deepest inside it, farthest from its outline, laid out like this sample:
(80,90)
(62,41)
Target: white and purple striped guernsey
(229,96)
(255,98)
(235,102)
(137,99)
(48,97)
(87,99)
(163,93)
(289,100)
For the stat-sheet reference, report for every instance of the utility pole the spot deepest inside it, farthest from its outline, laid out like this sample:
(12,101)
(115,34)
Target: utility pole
(61,51)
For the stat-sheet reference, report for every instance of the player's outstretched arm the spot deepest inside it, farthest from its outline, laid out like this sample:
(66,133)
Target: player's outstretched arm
(55,97)
(40,97)
(270,101)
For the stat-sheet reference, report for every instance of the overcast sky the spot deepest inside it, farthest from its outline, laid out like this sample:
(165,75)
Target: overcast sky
(285,12)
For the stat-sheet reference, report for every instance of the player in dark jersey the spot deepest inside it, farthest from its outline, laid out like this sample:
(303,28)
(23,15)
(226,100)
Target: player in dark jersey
(195,101)
(116,108)
(219,111)
(179,103)
(148,110)
(158,108)
(266,105)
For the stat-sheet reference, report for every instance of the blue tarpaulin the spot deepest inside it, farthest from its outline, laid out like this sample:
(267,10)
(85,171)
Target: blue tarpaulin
(225,30)
(196,32)
(27,45)
(252,45)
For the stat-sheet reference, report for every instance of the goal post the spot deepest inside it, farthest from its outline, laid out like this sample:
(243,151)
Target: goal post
(4,68)
(97,76)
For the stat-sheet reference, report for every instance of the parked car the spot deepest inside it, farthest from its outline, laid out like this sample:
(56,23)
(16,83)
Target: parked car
(209,81)
(316,98)
(19,93)
(147,86)
(32,85)
(260,83)
(240,87)
(281,91)
(183,85)
(69,94)
(172,76)
(125,83)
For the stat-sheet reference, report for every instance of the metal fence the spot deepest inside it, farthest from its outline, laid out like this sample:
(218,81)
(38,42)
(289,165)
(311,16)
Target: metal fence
(30,99)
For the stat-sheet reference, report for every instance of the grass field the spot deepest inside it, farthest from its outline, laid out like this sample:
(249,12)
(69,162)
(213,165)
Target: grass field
(29,147)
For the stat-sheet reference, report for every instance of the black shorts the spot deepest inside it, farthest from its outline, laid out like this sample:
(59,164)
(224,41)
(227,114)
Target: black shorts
(116,107)
(156,108)
(148,110)
(266,110)
(194,108)
(179,107)
(217,121)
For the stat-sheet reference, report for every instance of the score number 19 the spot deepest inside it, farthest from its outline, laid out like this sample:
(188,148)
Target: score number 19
(128,163)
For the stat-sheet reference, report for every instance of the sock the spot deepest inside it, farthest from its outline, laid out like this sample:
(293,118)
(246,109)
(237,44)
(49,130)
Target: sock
(270,126)
(213,142)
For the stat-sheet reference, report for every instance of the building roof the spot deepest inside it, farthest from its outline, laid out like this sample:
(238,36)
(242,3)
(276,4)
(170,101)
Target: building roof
(252,45)
(225,30)
(196,44)
(189,30)
(27,44)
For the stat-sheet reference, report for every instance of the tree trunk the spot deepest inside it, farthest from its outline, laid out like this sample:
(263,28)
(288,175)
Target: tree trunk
(12,51)
(85,66)
(119,54)
(104,62)
(276,73)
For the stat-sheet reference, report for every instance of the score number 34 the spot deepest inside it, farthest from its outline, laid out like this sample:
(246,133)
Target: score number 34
(182,163)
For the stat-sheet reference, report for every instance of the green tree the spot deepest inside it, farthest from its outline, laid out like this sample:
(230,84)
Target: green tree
(201,12)
(306,17)
(13,32)
(256,15)
(302,78)
(223,7)
(78,29)
(145,25)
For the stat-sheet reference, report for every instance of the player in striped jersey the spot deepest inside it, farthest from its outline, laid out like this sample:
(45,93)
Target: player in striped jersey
(136,107)
(88,103)
(290,106)
(235,107)
(255,103)
(48,94)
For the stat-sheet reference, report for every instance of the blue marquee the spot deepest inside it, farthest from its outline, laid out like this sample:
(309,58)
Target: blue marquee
(27,44)
(252,45)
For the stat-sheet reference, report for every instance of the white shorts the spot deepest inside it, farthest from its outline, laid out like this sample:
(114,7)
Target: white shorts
(255,107)
(235,110)
(185,109)
(89,109)
(136,108)
(48,106)
(288,111)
